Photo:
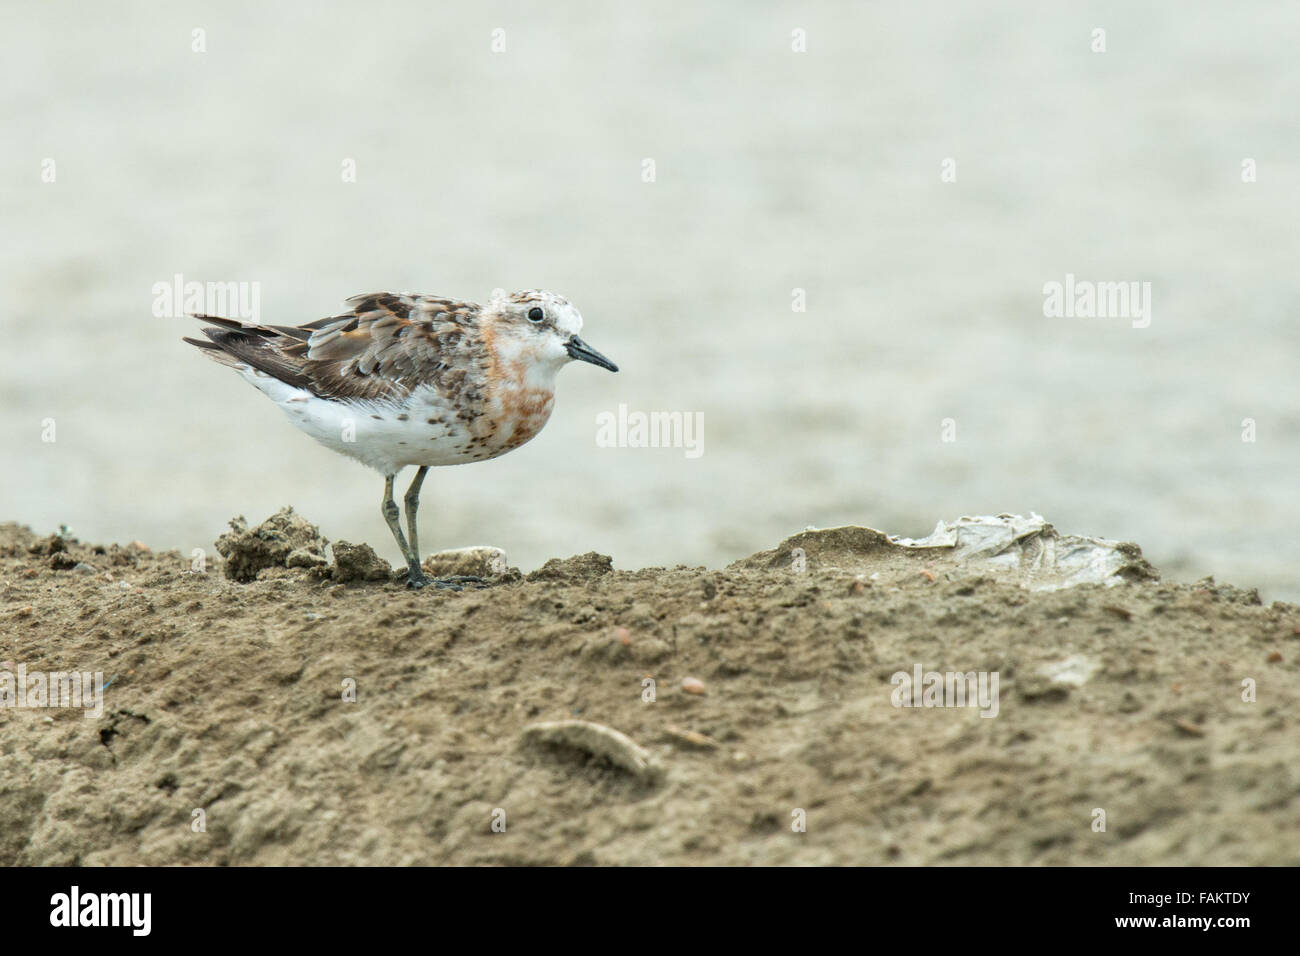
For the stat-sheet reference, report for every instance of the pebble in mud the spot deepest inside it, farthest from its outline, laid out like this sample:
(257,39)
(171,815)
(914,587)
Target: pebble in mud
(693,685)
(690,738)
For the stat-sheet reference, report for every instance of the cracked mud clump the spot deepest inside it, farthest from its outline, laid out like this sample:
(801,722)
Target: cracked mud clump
(659,716)
(358,562)
(285,539)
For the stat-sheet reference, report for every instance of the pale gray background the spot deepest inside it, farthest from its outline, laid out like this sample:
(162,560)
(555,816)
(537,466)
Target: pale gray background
(775,170)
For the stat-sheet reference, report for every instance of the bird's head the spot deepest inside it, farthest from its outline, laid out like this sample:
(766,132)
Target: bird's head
(540,329)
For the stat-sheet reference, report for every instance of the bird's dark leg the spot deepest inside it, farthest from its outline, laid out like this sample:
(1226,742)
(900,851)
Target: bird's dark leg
(415,578)
(412,506)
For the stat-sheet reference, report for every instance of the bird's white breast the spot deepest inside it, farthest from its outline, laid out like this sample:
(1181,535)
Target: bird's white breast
(424,430)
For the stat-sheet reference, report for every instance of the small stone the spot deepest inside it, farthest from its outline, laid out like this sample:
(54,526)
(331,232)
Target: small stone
(83,568)
(693,685)
(691,738)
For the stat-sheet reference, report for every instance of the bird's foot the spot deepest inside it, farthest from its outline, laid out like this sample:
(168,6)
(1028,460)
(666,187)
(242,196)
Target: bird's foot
(460,582)
(418,579)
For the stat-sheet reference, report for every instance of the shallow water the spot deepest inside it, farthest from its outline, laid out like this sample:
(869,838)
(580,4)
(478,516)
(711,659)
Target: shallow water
(774,171)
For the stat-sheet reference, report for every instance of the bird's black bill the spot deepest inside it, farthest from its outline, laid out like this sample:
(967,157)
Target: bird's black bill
(585,353)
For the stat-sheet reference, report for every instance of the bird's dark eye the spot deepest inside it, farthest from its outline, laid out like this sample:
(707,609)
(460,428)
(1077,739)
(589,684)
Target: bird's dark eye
(535,314)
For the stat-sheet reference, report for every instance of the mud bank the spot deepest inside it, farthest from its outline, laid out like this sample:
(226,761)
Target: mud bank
(742,716)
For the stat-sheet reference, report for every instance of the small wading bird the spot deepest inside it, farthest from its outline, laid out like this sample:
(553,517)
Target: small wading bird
(412,380)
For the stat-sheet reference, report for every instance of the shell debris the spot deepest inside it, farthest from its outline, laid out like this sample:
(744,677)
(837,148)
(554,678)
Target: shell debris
(599,741)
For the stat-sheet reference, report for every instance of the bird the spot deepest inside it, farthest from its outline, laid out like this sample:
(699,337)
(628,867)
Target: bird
(406,379)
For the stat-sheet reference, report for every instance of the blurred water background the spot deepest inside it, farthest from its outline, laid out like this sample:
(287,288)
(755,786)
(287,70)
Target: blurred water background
(774,170)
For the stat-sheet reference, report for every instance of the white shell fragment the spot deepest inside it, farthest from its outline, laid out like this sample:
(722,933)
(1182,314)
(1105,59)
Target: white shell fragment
(1032,549)
(597,740)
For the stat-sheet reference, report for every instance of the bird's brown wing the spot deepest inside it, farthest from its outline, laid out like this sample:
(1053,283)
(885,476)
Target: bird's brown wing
(385,346)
